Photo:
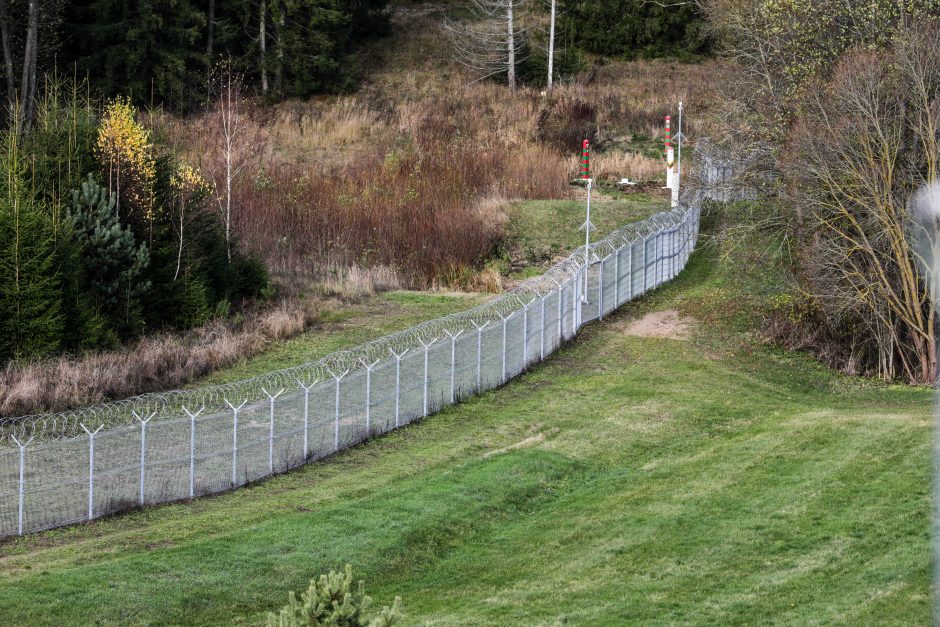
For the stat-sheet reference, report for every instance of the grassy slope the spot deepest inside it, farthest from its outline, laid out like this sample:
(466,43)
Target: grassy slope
(540,231)
(350,326)
(627,480)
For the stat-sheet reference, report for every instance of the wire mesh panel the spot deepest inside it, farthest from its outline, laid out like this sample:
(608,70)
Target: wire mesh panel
(62,468)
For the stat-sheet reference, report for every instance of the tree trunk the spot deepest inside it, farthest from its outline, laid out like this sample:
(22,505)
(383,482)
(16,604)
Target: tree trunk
(279,70)
(28,82)
(551,46)
(7,54)
(210,35)
(262,39)
(511,45)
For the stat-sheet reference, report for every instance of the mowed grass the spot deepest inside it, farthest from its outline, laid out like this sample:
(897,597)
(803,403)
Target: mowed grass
(627,480)
(539,232)
(349,326)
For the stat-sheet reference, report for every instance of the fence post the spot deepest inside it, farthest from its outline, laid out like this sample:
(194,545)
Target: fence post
(235,439)
(453,362)
(143,449)
(368,368)
(503,377)
(306,416)
(600,291)
(525,336)
(22,483)
(271,430)
(630,272)
(561,291)
(480,353)
(91,468)
(617,277)
(646,265)
(336,408)
(192,449)
(426,374)
(398,357)
(542,330)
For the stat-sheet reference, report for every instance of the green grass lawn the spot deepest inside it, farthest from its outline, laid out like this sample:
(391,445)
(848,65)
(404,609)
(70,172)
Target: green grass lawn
(538,232)
(627,480)
(354,324)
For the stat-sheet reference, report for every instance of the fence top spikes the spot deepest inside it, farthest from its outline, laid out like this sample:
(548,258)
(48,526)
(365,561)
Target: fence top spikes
(191,414)
(82,425)
(454,336)
(234,408)
(368,365)
(272,396)
(141,418)
(21,444)
(334,375)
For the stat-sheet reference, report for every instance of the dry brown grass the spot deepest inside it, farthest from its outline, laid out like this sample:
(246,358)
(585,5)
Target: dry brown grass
(156,363)
(617,164)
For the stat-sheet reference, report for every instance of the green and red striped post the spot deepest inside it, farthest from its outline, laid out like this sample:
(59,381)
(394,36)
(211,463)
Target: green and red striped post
(586,160)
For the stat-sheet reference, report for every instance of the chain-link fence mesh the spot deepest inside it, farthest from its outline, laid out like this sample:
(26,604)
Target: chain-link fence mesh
(63,468)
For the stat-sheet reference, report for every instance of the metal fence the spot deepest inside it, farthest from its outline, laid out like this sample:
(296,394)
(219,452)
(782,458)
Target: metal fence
(69,467)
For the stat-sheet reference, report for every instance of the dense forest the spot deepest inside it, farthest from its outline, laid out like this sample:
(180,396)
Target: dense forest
(109,230)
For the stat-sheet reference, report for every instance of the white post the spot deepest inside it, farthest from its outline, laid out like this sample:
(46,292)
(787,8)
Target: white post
(600,291)
(453,362)
(271,429)
(369,368)
(630,273)
(679,138)
(503,378)
(480,353)
(306,416)
(525,336)
(91,468)
(551,46)
(336,408)
(617,276)
(561,293)
(192,449)
(143,449)
(542,331)
(587,241)
(397,382)
(426,374)
(22,483)
(235,439)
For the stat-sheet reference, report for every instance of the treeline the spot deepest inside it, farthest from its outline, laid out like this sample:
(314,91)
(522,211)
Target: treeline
(635,29)
(161,51)
(105,234)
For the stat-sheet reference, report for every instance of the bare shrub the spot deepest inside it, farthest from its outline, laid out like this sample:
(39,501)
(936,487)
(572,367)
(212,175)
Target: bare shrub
(864,144)
(157,363)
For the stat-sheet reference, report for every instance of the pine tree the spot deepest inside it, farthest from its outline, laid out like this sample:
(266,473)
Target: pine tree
(113,263)
(30,316)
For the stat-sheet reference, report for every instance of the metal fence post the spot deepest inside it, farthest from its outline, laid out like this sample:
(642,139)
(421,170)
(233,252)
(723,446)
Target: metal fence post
(192,449)
(561,293)
(480,352)
(600,291)
(542,331)
(22,483)
(453,362)
(426,373)
(617,277)
(503,376)
(235,439)
(91,468)
(630,272)
(525,336)
(336,408)
(306,416)
(143,449)
(271,429)
(398,357)
(369,368)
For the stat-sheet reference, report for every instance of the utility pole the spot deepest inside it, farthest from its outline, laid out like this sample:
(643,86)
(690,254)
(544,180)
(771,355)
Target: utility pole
(551,46)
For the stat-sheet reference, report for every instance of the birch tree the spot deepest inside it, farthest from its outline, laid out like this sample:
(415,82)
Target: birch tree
(233,140)
(490,42)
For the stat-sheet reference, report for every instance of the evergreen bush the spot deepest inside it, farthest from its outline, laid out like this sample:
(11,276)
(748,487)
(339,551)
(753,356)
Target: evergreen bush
(331,600)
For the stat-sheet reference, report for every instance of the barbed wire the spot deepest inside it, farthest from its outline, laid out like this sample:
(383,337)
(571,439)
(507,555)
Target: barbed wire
(174,404)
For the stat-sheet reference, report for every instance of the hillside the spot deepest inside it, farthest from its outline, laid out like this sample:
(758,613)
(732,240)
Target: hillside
(653,480)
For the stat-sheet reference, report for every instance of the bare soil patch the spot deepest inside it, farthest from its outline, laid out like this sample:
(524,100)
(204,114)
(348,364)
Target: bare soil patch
(666,324)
